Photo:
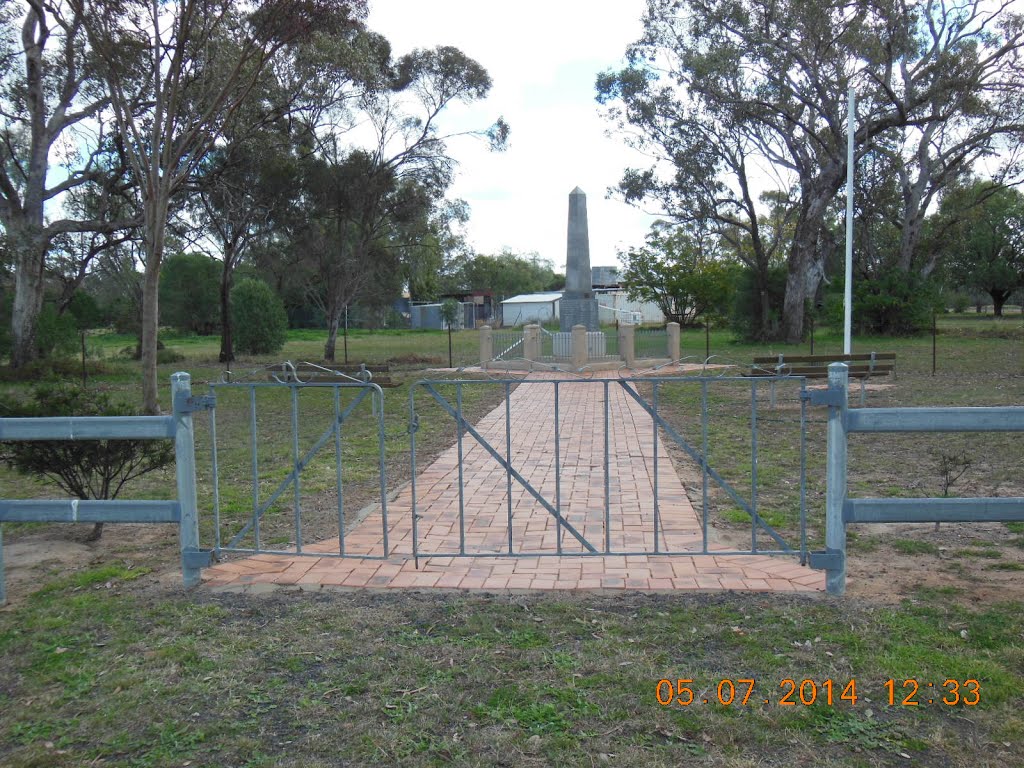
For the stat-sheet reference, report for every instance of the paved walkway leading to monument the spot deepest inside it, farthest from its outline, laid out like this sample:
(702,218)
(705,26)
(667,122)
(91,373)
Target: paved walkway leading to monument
(580,487)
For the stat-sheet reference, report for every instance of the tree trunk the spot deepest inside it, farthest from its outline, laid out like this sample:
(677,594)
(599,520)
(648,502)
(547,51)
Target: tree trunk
(332,336)
(150,328)
(24,222)
(28,298)
(227,344)
(793,307)
(998,300)
(156,227)
(805,266)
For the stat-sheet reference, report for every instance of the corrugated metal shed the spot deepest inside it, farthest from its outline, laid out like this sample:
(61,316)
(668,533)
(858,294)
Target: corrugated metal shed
(530,308)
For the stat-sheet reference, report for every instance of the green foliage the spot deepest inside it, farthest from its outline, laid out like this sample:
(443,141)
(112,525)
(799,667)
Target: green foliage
(746,319)
(450,312)
(86,311)
(984,242)
(678,271)
(56,334)
(895,303)
(84,469)
(189,293)
(505,274)
(259,318)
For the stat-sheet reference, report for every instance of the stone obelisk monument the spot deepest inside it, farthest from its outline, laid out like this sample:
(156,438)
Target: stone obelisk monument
(578,305)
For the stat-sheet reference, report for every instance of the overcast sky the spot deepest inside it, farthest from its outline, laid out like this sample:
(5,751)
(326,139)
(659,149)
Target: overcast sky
(543,57)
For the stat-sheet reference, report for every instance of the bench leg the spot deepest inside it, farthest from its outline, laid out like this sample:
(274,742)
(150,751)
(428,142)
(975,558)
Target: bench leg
(773,395)
(863,393)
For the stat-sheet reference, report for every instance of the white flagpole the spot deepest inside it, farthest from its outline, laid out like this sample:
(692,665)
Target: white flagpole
(848,296)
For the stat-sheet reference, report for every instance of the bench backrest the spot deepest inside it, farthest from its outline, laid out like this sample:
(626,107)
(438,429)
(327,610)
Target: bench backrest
(811,360)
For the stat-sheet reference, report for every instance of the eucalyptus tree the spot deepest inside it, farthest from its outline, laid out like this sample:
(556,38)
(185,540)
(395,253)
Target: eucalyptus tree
(237,201)
(177,75)
(737,90)
(984,247)
(246,186)
(368,193)
(51,144)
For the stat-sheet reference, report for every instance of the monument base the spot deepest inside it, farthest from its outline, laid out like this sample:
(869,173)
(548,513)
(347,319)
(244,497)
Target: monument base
(578,312)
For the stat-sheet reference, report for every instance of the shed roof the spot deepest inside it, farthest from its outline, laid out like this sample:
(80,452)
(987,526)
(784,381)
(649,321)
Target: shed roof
(534,298)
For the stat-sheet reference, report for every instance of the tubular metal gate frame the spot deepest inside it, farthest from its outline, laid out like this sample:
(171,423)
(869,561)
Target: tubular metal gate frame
(840,510)
(658,422)
(299,462)
(183,511)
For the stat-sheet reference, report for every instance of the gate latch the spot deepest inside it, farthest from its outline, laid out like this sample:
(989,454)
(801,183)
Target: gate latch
(830,397)
(183,404)
(828,560)
(197,558)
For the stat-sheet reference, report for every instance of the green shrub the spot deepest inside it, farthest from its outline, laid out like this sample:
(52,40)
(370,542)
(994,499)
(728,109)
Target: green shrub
(56,334)
(895,303)
(190,293)
(745,320)
(168,355)
(85,310)
(260,321)
(84,469)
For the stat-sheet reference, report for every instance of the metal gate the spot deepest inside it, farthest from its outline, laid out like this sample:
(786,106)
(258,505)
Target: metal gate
(276,522)
(528,457)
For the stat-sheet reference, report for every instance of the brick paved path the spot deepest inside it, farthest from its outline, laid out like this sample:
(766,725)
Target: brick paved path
(534,530)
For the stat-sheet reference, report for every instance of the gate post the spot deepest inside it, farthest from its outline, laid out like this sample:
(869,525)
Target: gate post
(672,333)
(579,346)
(835,479)
(486,344)
(185,469)
(531,342)
(627,344)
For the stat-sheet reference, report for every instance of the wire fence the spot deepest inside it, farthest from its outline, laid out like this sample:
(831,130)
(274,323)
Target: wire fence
(507,344)
(650,342)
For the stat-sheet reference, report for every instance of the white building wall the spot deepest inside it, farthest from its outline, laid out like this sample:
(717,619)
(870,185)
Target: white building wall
(614,306)
(521,313)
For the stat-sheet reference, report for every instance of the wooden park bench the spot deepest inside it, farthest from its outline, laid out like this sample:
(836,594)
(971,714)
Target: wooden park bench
(862,366)
(379,374)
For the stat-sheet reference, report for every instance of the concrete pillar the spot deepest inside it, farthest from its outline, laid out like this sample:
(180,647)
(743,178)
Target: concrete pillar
(627,343)
(531,342)
(673,341)
(579,346)
(486,344)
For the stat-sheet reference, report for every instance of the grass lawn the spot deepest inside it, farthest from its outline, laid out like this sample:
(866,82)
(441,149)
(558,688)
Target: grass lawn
(104,660)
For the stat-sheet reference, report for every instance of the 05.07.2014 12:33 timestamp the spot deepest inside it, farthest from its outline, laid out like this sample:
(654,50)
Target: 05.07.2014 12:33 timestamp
(729,692)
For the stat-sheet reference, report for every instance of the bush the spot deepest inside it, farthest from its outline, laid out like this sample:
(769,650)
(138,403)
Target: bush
(745,319)
(896,303)
(259,318)
(190,293)
(84,469)
(85,310)
(56,334)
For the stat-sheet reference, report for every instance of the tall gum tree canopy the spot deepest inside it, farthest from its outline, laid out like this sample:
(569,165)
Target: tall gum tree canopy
(177,76)
(733,97)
